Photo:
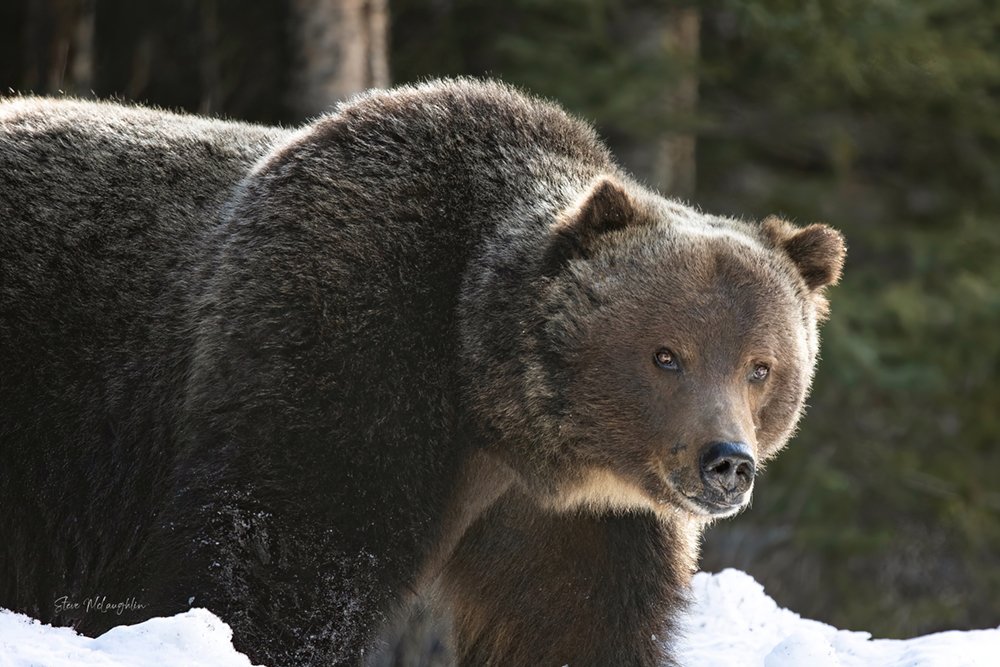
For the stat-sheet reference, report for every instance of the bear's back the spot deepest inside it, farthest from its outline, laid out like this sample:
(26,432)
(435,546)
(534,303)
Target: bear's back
(102,208)
(443,149)
(101,211)
(79,176)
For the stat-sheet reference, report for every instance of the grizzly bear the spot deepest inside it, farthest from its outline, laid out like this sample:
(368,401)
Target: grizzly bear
(433,345)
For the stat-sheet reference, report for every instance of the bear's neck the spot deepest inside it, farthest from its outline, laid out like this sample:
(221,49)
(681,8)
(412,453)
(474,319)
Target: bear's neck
(482,480)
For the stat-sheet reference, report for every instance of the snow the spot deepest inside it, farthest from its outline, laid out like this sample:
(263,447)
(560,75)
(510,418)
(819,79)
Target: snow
(195,638)
(732,622)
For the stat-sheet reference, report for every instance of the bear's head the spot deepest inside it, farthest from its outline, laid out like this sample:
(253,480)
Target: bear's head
(647,355)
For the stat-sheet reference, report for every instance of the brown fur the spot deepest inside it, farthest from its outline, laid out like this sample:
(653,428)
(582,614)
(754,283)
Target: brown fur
(405,353)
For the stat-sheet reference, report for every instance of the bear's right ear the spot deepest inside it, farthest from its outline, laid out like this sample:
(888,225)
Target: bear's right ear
(604,208)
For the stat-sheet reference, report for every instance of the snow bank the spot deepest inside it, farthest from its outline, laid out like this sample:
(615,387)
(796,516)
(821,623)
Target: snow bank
(196,638)
(733,622)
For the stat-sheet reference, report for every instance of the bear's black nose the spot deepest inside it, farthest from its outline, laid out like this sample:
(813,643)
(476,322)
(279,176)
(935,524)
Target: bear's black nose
(728,467)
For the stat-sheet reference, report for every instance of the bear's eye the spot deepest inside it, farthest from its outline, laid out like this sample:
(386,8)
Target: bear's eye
(759,373)
(666,359)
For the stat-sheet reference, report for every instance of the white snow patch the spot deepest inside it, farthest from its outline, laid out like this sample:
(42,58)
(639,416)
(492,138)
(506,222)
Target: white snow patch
(195,638)
(732,622)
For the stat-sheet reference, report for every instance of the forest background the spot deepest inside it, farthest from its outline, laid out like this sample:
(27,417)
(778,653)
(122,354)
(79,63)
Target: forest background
(880,117)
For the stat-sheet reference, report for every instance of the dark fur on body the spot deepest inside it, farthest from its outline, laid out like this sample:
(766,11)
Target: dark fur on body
(252,367)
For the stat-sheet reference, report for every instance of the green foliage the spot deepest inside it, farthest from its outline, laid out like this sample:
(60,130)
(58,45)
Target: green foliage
(881,90)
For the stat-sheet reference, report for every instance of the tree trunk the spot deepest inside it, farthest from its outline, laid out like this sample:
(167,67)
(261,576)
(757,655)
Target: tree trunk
(674,168)
(667,161)
(342,50)
(210,67)
(59,38)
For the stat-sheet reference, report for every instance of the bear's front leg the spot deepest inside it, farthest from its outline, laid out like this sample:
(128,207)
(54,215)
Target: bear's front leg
(529,586)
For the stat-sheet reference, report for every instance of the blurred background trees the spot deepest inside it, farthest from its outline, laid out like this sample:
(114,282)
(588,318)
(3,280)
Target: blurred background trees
(881,118)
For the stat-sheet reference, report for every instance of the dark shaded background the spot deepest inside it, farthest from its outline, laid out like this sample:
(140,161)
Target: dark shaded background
(880,118)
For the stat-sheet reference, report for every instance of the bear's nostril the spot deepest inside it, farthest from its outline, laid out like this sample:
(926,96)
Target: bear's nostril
(722,468)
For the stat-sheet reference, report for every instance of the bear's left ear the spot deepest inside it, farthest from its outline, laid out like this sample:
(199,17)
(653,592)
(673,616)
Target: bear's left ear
(817,250)
(605,207)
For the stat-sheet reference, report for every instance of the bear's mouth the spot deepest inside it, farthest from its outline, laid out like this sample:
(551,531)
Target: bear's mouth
(703,504)
(714,508)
